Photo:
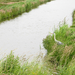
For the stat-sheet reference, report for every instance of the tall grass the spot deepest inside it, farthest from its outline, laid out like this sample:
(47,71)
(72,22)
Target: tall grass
(69,70)
(11,66)
(62,56)
(73,16)
(5,1)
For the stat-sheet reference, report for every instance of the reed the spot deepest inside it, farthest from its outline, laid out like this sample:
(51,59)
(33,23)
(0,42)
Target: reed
(69,70)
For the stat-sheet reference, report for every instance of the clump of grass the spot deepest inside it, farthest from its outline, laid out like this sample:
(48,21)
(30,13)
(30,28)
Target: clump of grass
(3,5)
(48,43)
(10,64)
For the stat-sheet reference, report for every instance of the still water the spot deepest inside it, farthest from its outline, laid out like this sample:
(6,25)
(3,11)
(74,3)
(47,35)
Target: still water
(25,33)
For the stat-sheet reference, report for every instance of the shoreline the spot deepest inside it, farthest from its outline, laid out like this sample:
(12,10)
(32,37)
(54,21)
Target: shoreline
(13,9)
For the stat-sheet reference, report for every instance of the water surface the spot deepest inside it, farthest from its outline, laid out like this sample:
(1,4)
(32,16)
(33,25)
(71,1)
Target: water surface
(25,33)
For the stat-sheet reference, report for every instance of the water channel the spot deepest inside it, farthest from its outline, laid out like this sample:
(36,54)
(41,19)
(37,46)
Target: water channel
(25,33)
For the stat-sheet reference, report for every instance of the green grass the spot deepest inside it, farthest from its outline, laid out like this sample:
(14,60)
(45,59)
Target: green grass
(3,5)
(8,11)
(60,59)
(5,1)
(62,56)
(11,66)
(65,35)
(73,19)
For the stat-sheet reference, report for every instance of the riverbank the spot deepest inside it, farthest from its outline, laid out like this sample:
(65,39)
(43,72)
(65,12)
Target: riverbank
(62,56)
(10,9)
(11,66)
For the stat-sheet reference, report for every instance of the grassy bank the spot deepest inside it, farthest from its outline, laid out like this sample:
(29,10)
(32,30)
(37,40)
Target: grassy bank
(12,8)
(62,56)
(11,66)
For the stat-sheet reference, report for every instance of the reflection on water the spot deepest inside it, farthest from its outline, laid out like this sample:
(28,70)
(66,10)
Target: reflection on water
(25,33)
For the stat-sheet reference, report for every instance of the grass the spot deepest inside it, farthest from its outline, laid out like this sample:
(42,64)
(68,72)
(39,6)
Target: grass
(10,9)
(60,59)
(11,66)
(73,19)
(5,1)
(65,35)
(62,56)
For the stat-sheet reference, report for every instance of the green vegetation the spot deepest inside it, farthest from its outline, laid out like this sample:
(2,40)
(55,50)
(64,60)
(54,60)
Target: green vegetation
(10,9)
(62,56)
(60,59)
(73,19)
(5,1)
(11,66)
